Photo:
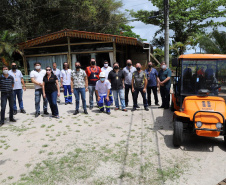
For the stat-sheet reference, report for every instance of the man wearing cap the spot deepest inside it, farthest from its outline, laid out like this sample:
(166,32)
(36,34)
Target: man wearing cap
(102,88)
(107,69)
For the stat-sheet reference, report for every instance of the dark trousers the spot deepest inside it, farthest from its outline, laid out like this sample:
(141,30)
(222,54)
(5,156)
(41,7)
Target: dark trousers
(52,99)
(154,90)
(127,87)
(165,94)
(135,96)
(4,97)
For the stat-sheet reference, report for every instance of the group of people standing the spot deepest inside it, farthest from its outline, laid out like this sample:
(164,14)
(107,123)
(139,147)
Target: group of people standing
(105,83)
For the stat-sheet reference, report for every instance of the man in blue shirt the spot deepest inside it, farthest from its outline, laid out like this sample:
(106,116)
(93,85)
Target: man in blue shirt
(152,75)
(165,83)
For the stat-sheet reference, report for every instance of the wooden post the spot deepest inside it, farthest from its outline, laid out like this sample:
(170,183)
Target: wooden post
(114,50)
(69,52)
(25,63)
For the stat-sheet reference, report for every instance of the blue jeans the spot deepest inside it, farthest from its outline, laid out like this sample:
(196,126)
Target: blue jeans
(101,104)
(119,93)
(19,94)
(4,97)
(91,91)
(68,98)
(52,99)
(38,94)
(81,91)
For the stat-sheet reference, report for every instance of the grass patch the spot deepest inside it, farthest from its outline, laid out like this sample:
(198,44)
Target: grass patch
(45,145)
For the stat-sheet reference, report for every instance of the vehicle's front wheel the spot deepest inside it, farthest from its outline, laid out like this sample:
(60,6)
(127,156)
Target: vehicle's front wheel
(177,133)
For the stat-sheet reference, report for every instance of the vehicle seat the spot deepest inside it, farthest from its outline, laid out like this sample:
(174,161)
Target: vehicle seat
(187,80)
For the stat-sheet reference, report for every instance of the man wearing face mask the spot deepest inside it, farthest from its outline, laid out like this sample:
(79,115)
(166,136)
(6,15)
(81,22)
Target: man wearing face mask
(92,72)
(128,73)
(37,78)
(56,72)
(17,89)
(139,84)
(6,88)
(165,83)
(107,69)
(79,85)
(65,76)
(116,78)
(152,75)
(103,90)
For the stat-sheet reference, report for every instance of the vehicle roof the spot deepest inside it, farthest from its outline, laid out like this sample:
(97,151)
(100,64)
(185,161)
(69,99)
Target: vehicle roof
(203,56)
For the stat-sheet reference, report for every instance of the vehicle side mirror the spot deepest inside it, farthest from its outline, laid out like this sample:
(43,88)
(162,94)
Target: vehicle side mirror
(175,62)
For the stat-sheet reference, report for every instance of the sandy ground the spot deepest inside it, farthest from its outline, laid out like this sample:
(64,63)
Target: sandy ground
(121,148)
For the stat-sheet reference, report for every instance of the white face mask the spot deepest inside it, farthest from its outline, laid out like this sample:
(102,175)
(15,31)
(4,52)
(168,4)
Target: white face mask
(5,72)
(37,67)
(163,66)
(106,65)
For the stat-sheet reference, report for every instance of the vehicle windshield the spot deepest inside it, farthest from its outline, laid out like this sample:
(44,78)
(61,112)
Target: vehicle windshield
(203,75)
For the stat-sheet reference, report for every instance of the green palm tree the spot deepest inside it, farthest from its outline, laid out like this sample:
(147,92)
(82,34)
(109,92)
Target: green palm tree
(8,46)
(214,43)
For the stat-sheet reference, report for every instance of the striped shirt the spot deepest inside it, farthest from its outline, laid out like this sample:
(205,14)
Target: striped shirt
(6,83)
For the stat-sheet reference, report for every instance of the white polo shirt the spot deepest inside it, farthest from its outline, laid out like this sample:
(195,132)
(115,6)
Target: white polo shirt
(106,71)
(17,75)
(57,73)
(103,88)
(66,75)
(38,76)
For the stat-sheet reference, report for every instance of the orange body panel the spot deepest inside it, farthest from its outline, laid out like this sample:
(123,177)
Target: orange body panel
(175,103)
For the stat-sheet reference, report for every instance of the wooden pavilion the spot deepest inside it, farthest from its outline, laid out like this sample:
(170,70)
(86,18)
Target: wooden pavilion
(72,45)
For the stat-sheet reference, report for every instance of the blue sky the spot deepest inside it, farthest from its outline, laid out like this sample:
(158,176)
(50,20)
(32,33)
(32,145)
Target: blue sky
(148,31)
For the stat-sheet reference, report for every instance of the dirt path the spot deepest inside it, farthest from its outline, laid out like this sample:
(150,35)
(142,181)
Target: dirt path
(123,148)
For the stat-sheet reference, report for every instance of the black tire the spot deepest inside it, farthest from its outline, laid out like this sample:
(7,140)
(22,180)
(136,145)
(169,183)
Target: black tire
(177,133)
(172,106)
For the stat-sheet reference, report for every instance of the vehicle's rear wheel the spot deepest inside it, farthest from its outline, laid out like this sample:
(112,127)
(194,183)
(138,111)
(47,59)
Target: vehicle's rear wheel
(172,106)
(177,133)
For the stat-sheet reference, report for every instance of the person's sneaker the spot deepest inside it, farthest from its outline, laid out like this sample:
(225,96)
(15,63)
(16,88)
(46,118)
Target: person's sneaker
(138,106)
(108,113)
(70,102)
(100,111)
(125,110)
(12,120)
(134,108)
(76,112)
(160,107)
(1,123)
(14,112)
(156,104)
(46,113)
(127,105)
(85,112)
(37,114)
(116,108)
(90,107)
(66,103)
(146,109)
(57,117)
(58,101)
(23,111)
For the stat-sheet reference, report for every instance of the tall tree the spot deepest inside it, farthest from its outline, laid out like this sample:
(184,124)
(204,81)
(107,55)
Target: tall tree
(187,17)
(214,43)
(33,18)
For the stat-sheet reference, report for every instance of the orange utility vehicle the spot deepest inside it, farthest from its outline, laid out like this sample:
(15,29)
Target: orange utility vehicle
(198,100)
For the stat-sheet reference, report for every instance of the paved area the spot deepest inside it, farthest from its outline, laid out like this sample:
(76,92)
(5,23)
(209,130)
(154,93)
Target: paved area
(121,148)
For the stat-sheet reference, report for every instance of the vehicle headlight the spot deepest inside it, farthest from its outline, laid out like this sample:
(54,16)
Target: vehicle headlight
(199,124)
(219,125)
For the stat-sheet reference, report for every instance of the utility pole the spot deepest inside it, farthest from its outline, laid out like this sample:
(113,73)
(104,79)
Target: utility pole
(166,22)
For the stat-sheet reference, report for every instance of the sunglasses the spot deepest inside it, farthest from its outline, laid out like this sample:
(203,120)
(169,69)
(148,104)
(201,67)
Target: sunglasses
(48,69)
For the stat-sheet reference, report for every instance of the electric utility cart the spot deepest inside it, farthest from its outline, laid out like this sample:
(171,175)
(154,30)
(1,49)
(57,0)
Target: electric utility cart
(198,100)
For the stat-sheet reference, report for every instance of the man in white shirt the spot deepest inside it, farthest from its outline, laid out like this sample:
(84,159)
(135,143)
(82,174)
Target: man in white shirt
(107,69)
(56,72)
(102,89)
(37,78)
(17,89)
(65,76)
